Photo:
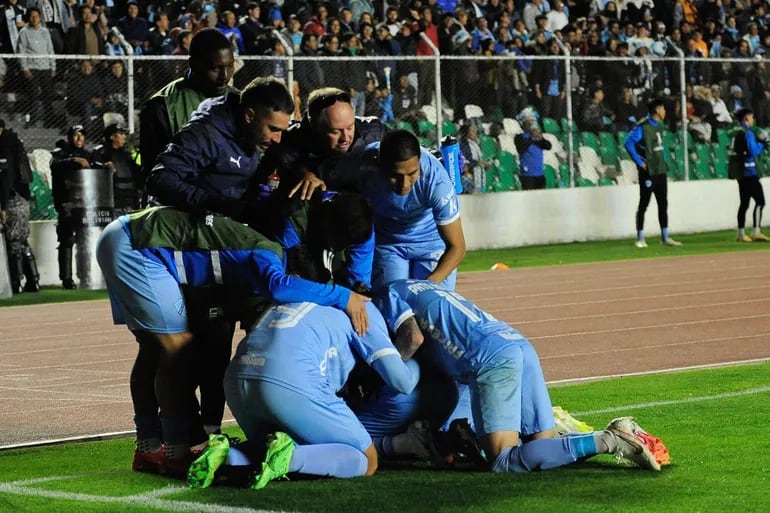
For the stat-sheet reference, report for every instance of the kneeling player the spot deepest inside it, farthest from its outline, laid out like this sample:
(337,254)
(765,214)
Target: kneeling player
(509,397)
(283,381)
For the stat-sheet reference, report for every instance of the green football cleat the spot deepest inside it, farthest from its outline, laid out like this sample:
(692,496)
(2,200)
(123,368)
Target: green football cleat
(566,424)
(202,470)
(280,449)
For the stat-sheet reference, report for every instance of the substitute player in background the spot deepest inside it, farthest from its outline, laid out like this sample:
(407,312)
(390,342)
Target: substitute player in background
(744,150)
(645,145)
(511,406)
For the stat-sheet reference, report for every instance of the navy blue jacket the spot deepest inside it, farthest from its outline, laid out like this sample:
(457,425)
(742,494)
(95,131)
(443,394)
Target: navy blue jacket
(205,168)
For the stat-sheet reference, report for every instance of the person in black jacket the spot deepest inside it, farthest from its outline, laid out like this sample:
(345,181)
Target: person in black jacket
(69,156)
(127,183)
(15,177)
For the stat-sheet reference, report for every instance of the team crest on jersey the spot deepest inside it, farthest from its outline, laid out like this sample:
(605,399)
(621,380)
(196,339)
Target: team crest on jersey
(648,183)
(179,307)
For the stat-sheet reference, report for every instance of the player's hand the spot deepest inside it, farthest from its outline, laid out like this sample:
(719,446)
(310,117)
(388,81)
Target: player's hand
(3,216)
(356,310)
(308,184)
(82,162)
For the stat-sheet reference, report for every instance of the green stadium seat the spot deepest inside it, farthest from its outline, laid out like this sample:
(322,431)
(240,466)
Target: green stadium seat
(563,125)
(720,167)
(604,181)
(508,161)
(584,182)
(404,125)
(589,139)
(426,143)
(723,137)
(607,139)
(622,134)
(669,140)
(551,126)
(425,127)
(448,128)
(551,182)
(489,147)
(702,152)
(609,155)
(492,180)
(564,174)
(506,179)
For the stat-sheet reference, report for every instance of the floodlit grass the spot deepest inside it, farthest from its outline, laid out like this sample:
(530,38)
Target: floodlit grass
(712,421)
(604,251)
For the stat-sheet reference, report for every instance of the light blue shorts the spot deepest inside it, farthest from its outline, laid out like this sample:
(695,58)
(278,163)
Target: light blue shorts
(404,261)
(510,393)
(262,407)
(143,294)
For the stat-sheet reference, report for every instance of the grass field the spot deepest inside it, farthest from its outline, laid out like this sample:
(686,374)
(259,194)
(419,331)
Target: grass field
(712,421)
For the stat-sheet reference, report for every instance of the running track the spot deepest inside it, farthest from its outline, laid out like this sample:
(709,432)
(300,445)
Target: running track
(64,368)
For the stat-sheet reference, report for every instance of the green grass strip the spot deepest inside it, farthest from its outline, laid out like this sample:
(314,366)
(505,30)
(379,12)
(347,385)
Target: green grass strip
(711,420)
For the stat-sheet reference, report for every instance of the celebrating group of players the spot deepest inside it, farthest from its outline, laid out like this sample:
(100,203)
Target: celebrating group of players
(324,239)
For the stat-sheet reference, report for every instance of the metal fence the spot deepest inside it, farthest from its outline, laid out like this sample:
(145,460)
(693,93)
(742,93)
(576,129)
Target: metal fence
(434,97)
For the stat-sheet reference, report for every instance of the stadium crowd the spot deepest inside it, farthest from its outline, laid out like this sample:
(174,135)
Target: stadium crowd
(612,92)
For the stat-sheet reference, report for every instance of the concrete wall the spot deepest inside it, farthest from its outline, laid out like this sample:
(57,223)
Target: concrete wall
(509,219)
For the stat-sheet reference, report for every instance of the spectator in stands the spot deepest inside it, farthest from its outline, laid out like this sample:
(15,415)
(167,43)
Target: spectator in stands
(530,145)
(532,10)
(15,15)
(127,182)
(557,17)
(629,111)
(86,37)
(317,24)
(159,36)
(392,21)
(34,39)
(468,137)
(133,27)
(596,116)
(116,44)
(425,68)
(69,156)
(645,146)
(309,74)
(736,101)
(293,31)
(227,26)
(740,71)
(85,95)
(405,104)
(252,31)
(15,177)
(56,16)
(763,108)
(722,117)
(116,88)
(480,33)
(549,83)
(333,26)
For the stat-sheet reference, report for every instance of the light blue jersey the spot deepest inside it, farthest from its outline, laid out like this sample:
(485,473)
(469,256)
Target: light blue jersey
(412,218)
(507,386)
(457,332)
(285,374)
(300,345)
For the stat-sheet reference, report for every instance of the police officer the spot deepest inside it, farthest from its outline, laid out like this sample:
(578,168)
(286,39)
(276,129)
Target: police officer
(15,177)
(69,156)
(127,183)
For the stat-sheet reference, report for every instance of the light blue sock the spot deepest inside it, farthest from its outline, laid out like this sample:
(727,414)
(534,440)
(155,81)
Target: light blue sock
(640,235)
(664,233)
(237,458)
(330,460)
(542,454)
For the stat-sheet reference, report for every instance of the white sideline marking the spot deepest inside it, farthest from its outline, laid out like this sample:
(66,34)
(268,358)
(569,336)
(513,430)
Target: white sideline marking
(687,400)
(573,381)
(150,499)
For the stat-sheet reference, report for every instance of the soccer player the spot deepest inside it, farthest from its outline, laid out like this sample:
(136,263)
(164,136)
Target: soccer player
(416,213)
(283,381)
(511,407)
(144,258)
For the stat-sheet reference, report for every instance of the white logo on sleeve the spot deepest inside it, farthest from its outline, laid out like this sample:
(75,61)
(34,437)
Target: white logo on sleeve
(237,161)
